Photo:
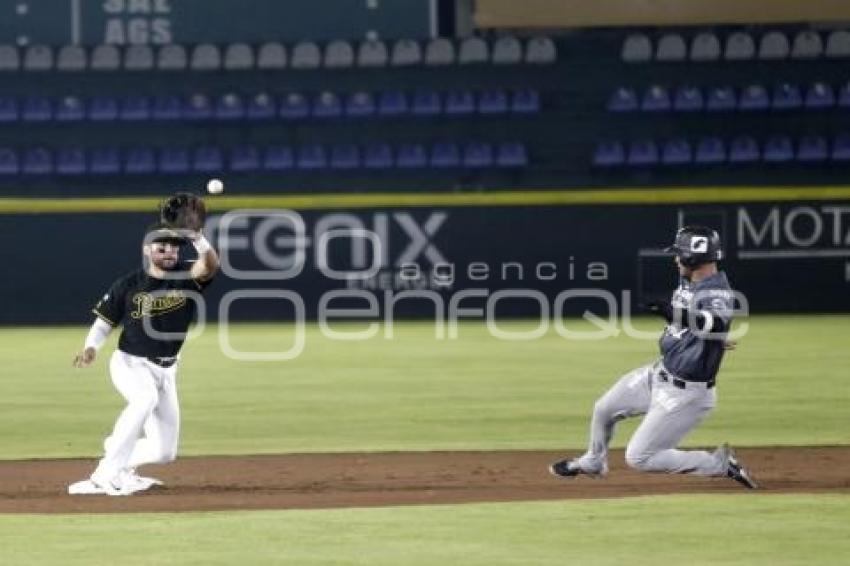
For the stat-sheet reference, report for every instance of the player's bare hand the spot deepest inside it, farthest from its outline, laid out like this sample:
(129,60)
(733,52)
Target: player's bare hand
(85,358)
(730,345)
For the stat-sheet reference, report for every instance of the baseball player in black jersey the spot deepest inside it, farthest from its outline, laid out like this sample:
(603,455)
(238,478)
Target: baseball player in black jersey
(155,307)
(676,392)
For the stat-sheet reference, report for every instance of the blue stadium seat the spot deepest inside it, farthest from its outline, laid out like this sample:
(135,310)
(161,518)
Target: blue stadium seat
(174,160)
(655,99)
(820,95)
(721,99)
(8,108)
(345,156)
(688,99)
(207,159)
(460,102)
(623,100)
(609,154)
(105,161)
(710,150)
(229,106)
(103,109)
(37,161)
(311,156)
(139,160)
(477,154)
(294,106)
(754,97)
(642,152)
(392,103)
(9,161)
(743,149)
(426,103)
(167,107)
(327,105)
(244,158)
(525,101)
(197,107)
(37,109)
(278,158)
(511,154)
(411,155)
(841,148)
(261,107)
(378,156)
(676,152)
(135,108)
(70,109)
(844,95)
(492,102)
(787,96)
(445,154)
(812,148)
(778,149)
(360,104)
(70,161)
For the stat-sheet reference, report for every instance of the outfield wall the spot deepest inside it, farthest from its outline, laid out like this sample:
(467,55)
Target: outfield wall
(789,256)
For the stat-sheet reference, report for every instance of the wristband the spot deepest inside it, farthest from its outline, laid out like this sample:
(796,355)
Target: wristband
(202,245)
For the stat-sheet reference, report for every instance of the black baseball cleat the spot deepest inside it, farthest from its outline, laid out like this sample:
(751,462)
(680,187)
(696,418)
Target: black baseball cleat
(736,471)
(563,469)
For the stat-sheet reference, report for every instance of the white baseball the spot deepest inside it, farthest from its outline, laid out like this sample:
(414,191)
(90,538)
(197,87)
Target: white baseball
(215,186)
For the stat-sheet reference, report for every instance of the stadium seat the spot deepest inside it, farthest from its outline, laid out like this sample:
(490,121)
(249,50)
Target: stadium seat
(37,161)
(623,100)
(411,155)
(642,152)
(740,46)
(774,45)
(8,109)
(244,158)
(507,50)
(294,106)
(105,58)
(655,99)
(278,158)
(167,107)
(426,103)
(105,161)
(609,154)
(139,160)
(138,58)
(439,52)
(70,109)
(540,50)
(174,160)
(378,156)
(841,148)
(473,50)
(743,149)
(710,150)
(721,99)
(754,97)
(460,102)
(511,154)
(306,55)
(345,156)
(676,152)
(10,60)
(807,45)
(372,53)
(271,56)
(103,109)
(198,107)
(172,57)
(820,95)
(778,149)
(786,96)
(38,58)
(135,108)
(205,57)
(327,105)
(525,101)
(37,109)
(360,104)
(229,106)
(838,44)
(492,102)
(844,95)
(207,159)
(71,58)
(477,155)
(637,48)
(311,156)
(238,57)
(392,103)
(261,107)
(705,47)
(445,155)
(671,47)
(70,161)
(9,164)
(339,54)
(405,52)
(812,148)
(688,99)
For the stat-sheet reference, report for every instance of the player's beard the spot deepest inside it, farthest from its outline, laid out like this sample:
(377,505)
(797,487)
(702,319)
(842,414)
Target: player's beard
(166,264)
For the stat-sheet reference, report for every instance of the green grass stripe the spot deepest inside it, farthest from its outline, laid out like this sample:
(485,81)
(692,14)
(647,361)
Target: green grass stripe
(491,198)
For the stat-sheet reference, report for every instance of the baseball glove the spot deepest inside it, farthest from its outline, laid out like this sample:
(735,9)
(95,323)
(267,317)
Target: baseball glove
(183,211)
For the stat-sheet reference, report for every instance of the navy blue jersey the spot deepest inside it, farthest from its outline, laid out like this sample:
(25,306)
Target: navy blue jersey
(690,354)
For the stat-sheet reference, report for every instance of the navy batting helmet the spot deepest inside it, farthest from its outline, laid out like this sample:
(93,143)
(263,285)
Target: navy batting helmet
(695,245)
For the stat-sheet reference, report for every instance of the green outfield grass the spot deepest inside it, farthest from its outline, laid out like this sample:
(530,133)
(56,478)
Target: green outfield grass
(786,384)
(731,530)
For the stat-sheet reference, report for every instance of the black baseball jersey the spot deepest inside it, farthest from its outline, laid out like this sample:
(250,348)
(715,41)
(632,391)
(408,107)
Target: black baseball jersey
(685,353)
(137,300)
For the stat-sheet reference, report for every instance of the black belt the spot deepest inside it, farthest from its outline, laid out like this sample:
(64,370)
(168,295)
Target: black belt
(683,383)
(163,362)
